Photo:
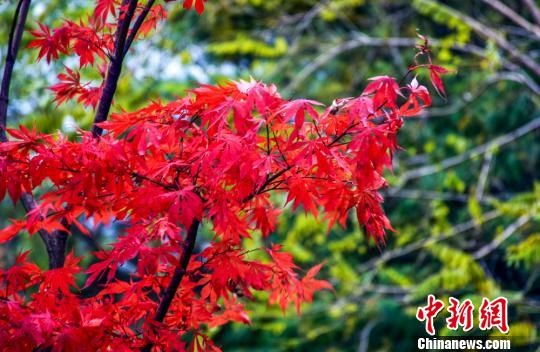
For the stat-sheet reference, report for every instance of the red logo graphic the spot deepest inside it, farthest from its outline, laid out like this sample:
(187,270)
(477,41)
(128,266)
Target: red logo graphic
(429,312)
(492,314)
(460,314)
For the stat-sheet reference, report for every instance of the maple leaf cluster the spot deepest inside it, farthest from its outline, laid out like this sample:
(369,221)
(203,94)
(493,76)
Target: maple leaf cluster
(214,156)
(91,40)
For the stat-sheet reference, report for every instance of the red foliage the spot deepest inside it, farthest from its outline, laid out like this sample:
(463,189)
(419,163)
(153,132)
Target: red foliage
(214,156)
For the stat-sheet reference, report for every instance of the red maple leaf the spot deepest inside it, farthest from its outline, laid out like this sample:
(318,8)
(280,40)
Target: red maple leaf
(199,5)
(50,45)
(104,8)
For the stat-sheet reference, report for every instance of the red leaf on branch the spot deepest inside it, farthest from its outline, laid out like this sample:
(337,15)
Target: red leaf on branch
(435,76)
(50,45)
(222,155)
(104,8)
(69,86)
(11,231)
(199,5)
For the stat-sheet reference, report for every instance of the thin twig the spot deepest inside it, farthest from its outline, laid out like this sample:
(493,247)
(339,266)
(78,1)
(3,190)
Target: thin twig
(361,40)
(14,41)
(483,177)
(469,98)
(471,153)
(513,16)
(492,34)
(363,346)
(509,231)
(412,247)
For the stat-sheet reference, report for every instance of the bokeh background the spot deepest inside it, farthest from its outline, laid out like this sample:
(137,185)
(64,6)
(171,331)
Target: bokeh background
(465,196)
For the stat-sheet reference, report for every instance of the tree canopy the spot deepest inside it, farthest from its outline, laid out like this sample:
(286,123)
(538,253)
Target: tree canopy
(463,195)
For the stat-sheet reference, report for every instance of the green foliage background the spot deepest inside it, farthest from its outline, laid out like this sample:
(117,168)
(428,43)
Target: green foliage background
(466,206)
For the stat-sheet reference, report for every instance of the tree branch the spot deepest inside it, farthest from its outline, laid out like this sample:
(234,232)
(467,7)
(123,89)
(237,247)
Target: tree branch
(492,34)
(433,195)
(509,231)
(168,294)
(138,23)
(513,16)
(14,41)
(363,346)
(471,153)
(115,66)
(535,10)
(469,98)
(55,242)
(363,40)
(483,177)
(399,252)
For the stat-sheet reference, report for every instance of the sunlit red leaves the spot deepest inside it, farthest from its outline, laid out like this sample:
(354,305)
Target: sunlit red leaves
(70,87)
(302,193)
(92,42)
(89,96)
(19,276)
(126,248)
(311,285)
(36,329)
(232,312)
(418,99)
(302,154)
(385,91)
(186,207)
(188,4)
(266,219)
(86,42)
(50,44)
(155,15)
(435,73)
(229,272)
(26,139)
(370,213)
(296,110)
(202,343)
(62,279)
(80,39)
(216,155)
(10,231)
(104,8)
(199,5)
(287,287)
